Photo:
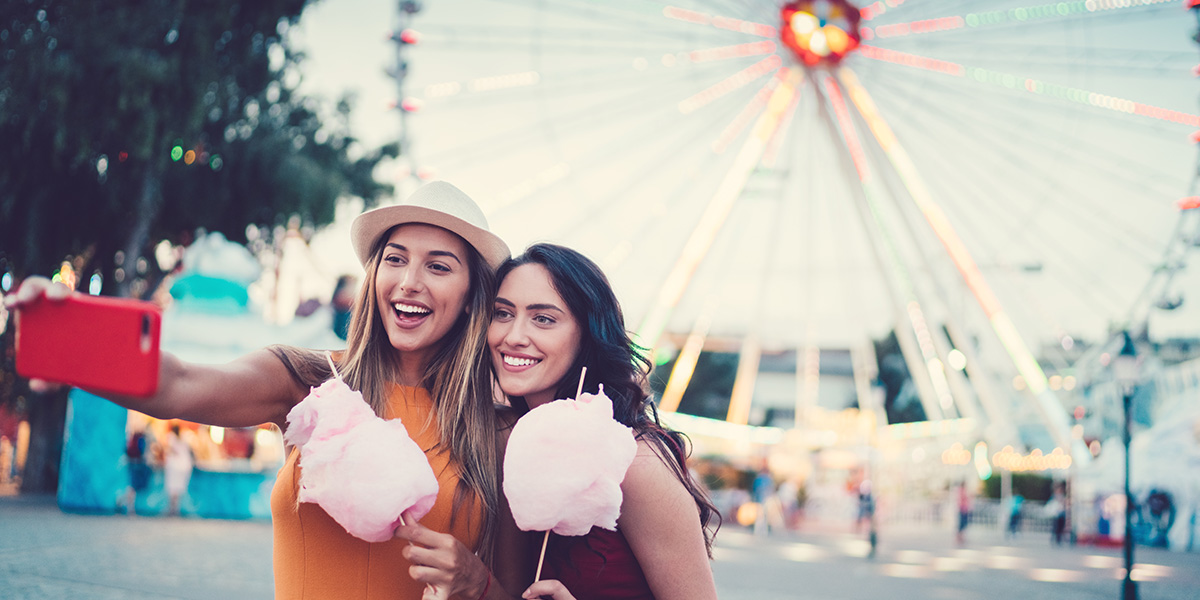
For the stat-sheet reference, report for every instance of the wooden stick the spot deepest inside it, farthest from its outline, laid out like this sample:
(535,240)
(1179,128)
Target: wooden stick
(542,557)
(579,390)
(538,576)
(329,357)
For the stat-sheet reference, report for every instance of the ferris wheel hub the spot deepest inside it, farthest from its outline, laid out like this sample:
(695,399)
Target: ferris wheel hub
(820,32)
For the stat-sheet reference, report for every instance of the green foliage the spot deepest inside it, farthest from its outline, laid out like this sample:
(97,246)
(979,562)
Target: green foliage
(710,388)
(95,95)
(1032,486)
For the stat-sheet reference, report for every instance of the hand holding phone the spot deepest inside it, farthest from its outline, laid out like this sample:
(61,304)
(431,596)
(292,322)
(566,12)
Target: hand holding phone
(98,343)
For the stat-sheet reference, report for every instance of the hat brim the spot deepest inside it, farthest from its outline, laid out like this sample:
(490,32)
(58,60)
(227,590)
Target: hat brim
(371,225)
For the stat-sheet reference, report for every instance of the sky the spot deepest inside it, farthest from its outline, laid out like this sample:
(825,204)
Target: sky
(564,121)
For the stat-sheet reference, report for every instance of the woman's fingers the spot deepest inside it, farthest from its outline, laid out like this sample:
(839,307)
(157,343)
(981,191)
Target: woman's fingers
(41,386)
(419,534)
(33,288)
(547,588)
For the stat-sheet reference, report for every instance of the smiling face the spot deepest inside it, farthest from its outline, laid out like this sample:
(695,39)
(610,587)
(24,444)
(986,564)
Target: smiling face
(533,337)
(421,287)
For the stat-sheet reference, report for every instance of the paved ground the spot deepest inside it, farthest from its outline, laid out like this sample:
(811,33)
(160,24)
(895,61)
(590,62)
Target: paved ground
(47,554)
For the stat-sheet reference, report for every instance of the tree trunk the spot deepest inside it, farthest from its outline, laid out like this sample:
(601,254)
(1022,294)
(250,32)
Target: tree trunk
(47,418)
(139,234)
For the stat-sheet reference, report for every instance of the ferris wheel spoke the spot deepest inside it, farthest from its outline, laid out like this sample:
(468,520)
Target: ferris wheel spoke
(927,368)
(1022,18)
(651,93)
(1024,231)
(630,19)
(1033,86)
(748,113)
(921,196)
(1050,186)
(1131,63)
(704,19)
(731,83)
(1058,125)
(638,133)
(454,38)
(1019,127)
(990,109)
(1050,133)
(620,191)
(701,238)
(507,87)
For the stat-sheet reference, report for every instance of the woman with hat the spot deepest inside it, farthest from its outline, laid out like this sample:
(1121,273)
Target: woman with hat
(416,349)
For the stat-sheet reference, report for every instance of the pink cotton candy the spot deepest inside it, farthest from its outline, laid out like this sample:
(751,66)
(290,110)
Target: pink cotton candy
(362,470)
(564,466)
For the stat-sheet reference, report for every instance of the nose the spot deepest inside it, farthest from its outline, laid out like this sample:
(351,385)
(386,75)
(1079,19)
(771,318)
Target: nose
(515,335)
(411,280)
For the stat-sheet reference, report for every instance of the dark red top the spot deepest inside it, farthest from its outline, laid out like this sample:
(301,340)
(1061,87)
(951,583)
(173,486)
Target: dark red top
(598,566)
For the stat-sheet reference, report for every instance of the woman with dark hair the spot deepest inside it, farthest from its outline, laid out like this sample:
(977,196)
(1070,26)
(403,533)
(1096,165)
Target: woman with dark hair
(556,313)
(416,350)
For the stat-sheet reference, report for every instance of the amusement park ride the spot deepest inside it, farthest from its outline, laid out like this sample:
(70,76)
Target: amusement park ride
(810,149)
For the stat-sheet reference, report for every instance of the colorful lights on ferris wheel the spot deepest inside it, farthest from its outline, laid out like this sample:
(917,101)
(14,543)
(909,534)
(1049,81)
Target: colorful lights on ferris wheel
(998,17)
(1035,86)
(729,84)
(727,52)
(903,29)
(912,60)
(878,8)
(820,32)
(720,22)
(748,113)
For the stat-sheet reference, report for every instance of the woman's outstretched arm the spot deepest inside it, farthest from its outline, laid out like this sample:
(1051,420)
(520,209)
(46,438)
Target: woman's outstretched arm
(253,389)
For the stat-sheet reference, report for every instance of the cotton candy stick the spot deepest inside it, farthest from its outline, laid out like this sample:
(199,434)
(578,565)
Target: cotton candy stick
(431,591)
(546,539)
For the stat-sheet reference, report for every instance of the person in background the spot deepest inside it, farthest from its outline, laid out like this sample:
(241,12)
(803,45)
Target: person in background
(554,314)
(139,471)
(178,461)
(6,459)
(1014,514)
(964,513)
(342,303)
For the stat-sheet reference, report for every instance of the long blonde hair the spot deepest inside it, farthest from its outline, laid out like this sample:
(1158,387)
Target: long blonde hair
(458,379)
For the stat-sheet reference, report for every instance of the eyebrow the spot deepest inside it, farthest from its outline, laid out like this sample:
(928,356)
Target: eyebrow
(431,252)
(507,302)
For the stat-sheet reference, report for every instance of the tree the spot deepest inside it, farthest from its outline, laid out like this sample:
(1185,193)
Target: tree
(129,122)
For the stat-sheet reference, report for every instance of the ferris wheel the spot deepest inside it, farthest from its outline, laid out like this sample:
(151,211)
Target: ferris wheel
(990,182)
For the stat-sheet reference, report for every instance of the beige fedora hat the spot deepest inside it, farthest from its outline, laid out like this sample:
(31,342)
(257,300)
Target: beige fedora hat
(435,203)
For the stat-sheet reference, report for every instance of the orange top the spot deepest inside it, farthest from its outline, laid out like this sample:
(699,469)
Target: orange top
(315,558)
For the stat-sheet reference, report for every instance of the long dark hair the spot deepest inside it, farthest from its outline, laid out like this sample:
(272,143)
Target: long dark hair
(611,358)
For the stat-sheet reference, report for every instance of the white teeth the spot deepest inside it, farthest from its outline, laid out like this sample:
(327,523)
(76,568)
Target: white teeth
(518,362)
(408,308)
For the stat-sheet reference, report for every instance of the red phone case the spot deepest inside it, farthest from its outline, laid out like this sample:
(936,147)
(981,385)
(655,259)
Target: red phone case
(94,342)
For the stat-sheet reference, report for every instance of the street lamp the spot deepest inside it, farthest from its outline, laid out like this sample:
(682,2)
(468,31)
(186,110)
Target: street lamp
(1126,367)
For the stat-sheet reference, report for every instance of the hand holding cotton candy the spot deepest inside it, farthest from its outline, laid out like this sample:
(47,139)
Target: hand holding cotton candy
(365,472)
(564,466)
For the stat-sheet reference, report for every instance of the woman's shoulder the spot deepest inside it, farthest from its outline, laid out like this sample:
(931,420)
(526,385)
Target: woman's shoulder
(650,470)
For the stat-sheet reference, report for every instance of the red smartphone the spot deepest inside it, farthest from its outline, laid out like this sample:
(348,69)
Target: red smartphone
(97,343)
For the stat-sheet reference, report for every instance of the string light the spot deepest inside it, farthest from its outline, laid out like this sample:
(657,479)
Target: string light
(720,22)
(729,84)
(737,51)
(1014,461)
(1030,85)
